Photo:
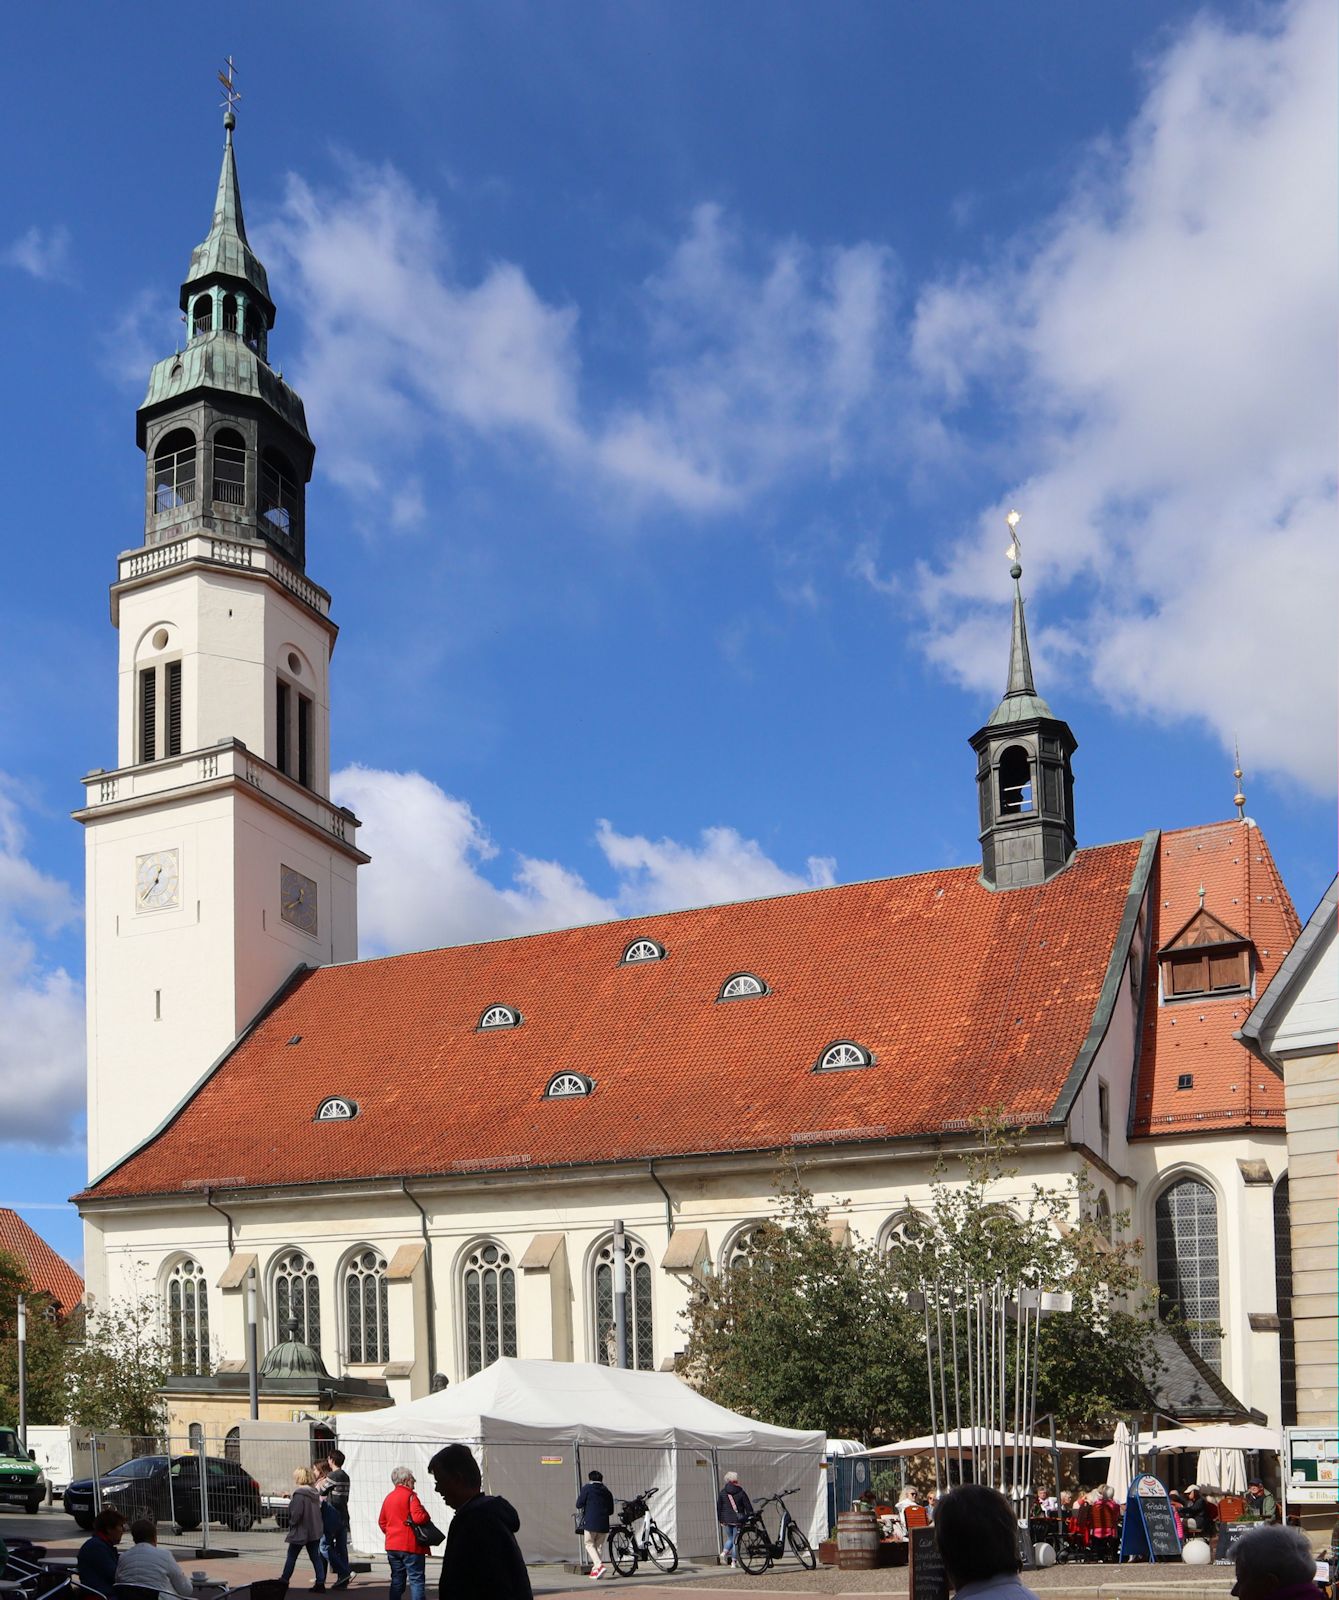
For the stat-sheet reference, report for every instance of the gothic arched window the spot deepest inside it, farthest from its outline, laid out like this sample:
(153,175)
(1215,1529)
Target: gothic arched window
(641,1340)
(1015,781)
(296,1297)
(174,470)
(742,986)
(905,1229)
(366,1308)
(1283,1302)
(1186,1235)
(1102,1217)
(743,1245)
(188,1318)
(490,1306)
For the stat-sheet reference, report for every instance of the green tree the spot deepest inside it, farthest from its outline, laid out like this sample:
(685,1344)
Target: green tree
(808,1332)
(45,1348)
(118,1366)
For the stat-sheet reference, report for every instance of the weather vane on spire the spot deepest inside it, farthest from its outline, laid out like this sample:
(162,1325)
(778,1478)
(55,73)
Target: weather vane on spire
(1015,550)
(1238,799)
(231,95)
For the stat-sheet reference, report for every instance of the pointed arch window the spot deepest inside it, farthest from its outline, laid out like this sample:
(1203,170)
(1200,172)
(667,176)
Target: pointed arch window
(742,986)
(568,1086)
(743,1246)
(366,1308)
(1186,1234)
(643,950)
(174,470)
(500,1017)
(641,1333)
(489,1306)
(296,1296)
(907,1228)
(842,1054)
(188,1318)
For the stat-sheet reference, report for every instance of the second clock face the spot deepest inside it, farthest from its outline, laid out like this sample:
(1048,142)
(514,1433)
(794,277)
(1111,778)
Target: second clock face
(157,881)
(297,900)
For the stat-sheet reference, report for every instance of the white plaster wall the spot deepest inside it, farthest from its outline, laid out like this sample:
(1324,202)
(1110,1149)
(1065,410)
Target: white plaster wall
(1310,1020)
(1245,1243)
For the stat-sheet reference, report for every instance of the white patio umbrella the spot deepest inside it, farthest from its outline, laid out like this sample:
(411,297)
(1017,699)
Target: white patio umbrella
(964,1438)
(1119,1474)
(1224,1470)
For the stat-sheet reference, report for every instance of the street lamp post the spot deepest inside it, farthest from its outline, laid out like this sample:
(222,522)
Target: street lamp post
(23,1371)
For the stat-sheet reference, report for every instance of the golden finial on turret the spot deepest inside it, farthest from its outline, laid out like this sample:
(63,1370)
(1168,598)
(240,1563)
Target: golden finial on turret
(1238,799)
(1015,550)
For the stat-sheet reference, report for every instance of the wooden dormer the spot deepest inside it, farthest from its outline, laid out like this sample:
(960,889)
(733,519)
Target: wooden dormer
(1205,957)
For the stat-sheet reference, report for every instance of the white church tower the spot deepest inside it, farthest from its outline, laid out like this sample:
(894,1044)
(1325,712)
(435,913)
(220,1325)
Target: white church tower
(216,865)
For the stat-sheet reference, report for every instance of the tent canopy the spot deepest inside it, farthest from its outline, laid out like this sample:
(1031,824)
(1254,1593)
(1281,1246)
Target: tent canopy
(1213,1436)
(964,1438)
(539,1426)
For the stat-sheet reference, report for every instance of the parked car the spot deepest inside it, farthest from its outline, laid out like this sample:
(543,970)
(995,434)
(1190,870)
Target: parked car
(21,1480)
(168,1490)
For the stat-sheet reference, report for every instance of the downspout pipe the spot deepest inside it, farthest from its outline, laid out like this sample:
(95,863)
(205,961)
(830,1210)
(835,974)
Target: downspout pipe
(226,1218)
(428,1278)
(669,1204)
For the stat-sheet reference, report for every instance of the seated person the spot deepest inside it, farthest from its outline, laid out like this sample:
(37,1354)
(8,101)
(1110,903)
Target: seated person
(977,1535)
(1275,1564)
(1199,1514)
(1259,1502)
(149,1567)
(97,1556)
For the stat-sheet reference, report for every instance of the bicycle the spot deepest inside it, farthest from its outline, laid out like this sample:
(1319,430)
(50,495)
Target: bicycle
(627,1547)
(756,1550)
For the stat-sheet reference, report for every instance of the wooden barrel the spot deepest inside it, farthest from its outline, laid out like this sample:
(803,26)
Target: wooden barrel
(857,1541)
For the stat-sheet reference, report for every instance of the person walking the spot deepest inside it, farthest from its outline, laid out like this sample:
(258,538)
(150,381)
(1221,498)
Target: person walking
(733,1509)
(596,1505)
(304,1528)
(405,1554)
(333,1487)
(148,1567)
(977,1534)
(97,1559)
(482,1560)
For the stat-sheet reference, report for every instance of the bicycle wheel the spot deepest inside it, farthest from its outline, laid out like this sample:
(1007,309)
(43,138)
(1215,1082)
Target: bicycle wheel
(804,1551)
(623,1552)
(754,1551)
(660,1547)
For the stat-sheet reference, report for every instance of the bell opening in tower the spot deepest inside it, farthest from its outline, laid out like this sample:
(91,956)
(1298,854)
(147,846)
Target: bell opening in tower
(1015,782)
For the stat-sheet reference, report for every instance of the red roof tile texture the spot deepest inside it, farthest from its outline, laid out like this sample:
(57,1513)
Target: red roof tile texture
(967,999)
(47,1272)
(1243,890)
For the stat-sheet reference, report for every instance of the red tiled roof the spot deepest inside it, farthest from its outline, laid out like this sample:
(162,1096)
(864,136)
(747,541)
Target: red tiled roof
(968,999)
(47,1272)
(1243,890)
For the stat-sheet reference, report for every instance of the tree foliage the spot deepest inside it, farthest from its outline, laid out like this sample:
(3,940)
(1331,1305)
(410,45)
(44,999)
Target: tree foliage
(45,1348)
(118,1366)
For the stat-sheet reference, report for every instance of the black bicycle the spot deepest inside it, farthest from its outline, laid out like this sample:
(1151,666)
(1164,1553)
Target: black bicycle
(756,1550)
(629,1544)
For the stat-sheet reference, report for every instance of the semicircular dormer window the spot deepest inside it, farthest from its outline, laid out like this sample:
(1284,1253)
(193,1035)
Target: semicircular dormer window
(643,950)
(500,1017)
(742,987)
(843,1053)
(568,1086)
(337,1108)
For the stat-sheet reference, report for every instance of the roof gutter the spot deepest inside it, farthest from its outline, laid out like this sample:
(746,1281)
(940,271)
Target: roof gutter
(224,1215)
(669,1204)
(428,1281)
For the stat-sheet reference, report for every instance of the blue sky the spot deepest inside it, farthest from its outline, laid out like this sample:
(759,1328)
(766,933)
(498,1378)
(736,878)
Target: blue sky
(671,367)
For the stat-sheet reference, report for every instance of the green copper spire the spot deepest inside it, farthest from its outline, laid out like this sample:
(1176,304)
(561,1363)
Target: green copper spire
(1021,700)
(225,256)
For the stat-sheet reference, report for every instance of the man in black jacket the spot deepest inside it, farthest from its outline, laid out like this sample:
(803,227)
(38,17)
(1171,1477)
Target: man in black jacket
(481,1559)
(596,1505)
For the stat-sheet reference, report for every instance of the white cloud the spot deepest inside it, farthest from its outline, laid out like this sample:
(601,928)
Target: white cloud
(1163,355)
(42,1046)
(752,365)
(425,885)
(43,253)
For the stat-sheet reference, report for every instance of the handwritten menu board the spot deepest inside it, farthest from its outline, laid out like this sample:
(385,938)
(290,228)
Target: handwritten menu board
(1149,1529)
(929,1578)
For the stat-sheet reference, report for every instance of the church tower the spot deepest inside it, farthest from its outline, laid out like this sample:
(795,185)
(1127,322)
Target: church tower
(1024,779)
(216,864)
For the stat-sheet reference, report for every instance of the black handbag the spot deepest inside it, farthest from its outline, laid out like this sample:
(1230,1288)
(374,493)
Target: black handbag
(426,1534)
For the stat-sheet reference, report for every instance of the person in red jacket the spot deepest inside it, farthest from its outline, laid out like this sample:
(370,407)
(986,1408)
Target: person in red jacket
(1104,1524)
(406,1556)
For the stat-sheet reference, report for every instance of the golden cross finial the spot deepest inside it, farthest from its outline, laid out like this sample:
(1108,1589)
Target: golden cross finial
(231,94)
(1015,550)
(1238,799)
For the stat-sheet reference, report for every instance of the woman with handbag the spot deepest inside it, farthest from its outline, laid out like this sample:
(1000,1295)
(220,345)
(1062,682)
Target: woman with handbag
(401,1513)
(304,1528)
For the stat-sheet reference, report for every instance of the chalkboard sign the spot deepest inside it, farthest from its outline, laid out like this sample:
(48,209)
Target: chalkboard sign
(1230,1535)
(1149,1529)
(929,1579)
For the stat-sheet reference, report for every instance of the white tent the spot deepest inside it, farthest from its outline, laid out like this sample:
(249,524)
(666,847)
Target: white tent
(538,1427)
(964,1438)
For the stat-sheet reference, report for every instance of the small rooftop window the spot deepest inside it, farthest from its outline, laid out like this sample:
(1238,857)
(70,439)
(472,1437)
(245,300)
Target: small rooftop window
(741,987)
(643,950)
(567,1085)
(500,1017)
(337,1108)
(843,1053)
(1185,1080)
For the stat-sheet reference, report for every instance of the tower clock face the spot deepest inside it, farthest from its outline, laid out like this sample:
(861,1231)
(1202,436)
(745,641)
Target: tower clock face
(297,900)
(157,881)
